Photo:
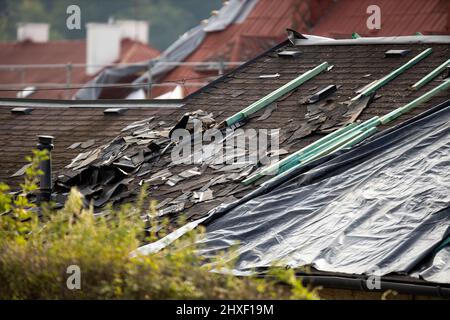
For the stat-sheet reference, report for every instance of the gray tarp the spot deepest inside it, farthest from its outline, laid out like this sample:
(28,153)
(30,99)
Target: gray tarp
(380,208)
(235,10)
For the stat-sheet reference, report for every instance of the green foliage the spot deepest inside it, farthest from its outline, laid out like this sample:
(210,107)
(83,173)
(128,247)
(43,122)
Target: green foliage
(169,18)
(36,252)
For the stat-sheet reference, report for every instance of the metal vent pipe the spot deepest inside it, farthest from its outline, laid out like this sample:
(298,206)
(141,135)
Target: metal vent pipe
(46,143)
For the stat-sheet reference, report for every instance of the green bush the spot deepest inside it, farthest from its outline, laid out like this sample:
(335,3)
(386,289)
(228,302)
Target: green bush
(36,250)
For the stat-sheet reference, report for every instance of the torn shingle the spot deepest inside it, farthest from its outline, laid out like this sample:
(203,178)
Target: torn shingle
(321,94)
(190,173)
(21,171)
(160,176)
(173,180)
(289,53)
(171,210)
(87,144)
(138,124)
(269,76)
(74,145)
(201,196)
(115,111)
(20,110)
(268,112)
(396,53)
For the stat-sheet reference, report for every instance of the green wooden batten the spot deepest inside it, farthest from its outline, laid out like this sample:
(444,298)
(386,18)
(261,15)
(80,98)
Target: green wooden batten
(389,77)
(346,142)
(433,74)
(313,148)
(362,136)
(329,140)
(340,139)
(335,144)
(273,169)
(356,134)
(408,107)
(322,150)
(271,97)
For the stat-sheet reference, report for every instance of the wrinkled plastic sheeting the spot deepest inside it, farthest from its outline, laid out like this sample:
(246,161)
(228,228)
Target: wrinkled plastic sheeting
(92,90)
(378,209)
(438,268)
(177,52)
(232,11)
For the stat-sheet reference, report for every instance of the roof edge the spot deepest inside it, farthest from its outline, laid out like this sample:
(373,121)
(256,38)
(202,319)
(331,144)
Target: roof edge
(51,103)
(360,284)
(416,39)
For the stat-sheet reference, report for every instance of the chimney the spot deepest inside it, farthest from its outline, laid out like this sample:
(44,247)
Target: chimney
(136,30)
(35,32)
(45,186)
(103,46)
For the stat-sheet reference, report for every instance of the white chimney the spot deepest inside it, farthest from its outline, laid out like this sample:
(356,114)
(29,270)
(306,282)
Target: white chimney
(103,46)
(137,30)
(36,32)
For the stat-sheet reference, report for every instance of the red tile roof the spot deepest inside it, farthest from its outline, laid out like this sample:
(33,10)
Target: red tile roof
(400,17)
(264,26)
(58,52)
(268,20)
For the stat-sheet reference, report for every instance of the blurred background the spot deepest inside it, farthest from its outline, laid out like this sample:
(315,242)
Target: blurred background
(168,49)
(169,18)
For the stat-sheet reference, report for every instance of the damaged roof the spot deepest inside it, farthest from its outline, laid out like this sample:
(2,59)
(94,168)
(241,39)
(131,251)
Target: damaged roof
(194,189)
(109,159)
(70,124)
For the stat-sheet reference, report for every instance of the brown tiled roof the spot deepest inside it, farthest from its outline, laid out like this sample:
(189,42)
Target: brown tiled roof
(67,125)
(58,52)
(354,67)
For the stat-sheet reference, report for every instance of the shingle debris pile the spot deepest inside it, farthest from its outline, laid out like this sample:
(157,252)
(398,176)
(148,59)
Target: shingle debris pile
(142,153)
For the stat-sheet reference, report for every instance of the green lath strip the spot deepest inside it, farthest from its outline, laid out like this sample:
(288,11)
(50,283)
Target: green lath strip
(345,142)
(273,169)
(433,74)
(388,78)
(340,139)
(273,96)
(329,140)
